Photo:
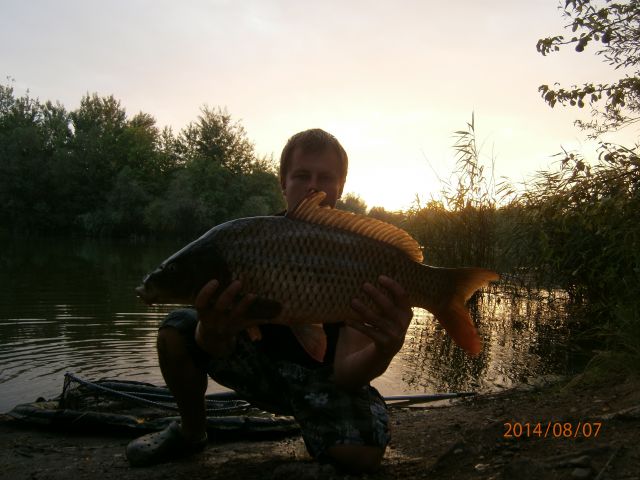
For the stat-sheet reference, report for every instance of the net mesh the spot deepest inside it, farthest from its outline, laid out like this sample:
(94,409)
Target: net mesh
(110,395)
(121,405)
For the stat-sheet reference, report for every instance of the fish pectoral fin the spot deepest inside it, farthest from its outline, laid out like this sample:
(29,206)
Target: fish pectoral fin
(254,333)
(263,308)
(313,340)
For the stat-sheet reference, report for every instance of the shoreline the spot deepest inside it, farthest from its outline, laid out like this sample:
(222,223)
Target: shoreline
(467,439)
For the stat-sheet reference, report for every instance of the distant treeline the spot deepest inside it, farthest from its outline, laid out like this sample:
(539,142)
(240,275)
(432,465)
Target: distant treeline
(96,171)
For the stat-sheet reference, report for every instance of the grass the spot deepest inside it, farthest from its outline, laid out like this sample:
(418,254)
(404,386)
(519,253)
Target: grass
(573,228)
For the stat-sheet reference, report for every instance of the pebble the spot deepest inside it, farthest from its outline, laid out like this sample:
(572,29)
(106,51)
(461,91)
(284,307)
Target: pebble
(583,461)
(581,473)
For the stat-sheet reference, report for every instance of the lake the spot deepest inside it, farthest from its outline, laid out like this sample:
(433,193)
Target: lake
(69,305)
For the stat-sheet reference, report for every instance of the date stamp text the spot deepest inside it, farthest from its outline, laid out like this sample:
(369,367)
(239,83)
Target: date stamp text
(551,429)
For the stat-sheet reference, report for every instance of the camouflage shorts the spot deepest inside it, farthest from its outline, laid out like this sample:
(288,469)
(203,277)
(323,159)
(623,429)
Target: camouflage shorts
(327,414)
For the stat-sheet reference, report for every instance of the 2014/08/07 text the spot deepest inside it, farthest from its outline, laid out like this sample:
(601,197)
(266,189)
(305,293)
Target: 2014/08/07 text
(552,429)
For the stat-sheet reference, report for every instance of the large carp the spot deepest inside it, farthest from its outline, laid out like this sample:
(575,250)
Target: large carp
(307,266)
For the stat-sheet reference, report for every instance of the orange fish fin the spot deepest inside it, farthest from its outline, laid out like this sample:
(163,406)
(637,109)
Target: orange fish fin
(309,210)
(312,338)
(452,312)
(254,333)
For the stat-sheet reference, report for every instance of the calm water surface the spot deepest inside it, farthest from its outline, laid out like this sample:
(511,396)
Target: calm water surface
(69,305)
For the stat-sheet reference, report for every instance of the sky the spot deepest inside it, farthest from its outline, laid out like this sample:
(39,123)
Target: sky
(392,80)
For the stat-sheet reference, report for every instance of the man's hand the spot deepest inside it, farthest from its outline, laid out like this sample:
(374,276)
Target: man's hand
(220,322)
(367,344)
(388,325)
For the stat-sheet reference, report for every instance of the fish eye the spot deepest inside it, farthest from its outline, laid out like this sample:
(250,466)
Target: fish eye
(171,268)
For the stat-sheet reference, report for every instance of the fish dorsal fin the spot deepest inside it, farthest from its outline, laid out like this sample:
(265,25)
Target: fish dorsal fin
(309,210)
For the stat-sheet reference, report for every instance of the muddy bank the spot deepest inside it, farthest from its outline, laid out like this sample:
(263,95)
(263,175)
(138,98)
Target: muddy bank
(573,429)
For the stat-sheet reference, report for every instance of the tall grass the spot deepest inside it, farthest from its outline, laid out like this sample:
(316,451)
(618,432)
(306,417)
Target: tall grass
(575,228)
(580,224)
(458,229)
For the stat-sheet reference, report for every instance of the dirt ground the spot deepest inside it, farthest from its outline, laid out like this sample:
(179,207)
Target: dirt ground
(585,431)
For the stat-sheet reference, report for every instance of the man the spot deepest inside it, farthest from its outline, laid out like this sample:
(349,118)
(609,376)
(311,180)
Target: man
(343,419)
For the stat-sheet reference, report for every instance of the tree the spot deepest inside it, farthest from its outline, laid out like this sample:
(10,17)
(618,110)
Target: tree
(115,166)
(395,218)
(615,28)
(32,136)
(96,171)
(216,137)
(97,151)
(352,203)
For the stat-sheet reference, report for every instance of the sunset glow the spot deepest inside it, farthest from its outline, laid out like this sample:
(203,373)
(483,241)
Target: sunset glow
(392,80)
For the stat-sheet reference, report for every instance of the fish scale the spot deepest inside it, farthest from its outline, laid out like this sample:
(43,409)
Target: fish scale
(336,263)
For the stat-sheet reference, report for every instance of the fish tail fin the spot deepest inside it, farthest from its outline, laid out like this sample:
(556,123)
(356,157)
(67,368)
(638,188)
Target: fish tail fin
(450,309)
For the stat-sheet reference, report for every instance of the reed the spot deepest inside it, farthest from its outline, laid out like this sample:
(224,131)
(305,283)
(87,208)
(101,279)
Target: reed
(573,228)
(580,224)
(458,229)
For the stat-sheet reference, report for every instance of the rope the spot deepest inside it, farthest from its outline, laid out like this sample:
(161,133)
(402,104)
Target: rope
(139,398)
(231,402)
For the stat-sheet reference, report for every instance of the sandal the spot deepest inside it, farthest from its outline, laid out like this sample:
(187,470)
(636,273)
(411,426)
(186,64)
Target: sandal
(163,446)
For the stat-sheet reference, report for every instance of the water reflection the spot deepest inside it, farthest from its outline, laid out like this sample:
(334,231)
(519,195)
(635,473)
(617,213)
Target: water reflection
(523,333)
(68,305)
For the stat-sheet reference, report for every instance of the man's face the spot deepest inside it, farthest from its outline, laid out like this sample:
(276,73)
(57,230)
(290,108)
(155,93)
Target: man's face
(313,171)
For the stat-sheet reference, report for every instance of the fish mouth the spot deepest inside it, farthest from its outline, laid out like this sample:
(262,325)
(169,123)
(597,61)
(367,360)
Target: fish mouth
(143,294)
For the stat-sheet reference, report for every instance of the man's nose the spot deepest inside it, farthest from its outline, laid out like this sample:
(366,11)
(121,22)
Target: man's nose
(313,183)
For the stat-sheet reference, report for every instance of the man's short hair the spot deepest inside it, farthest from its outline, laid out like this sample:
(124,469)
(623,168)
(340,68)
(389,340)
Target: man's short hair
(314,140)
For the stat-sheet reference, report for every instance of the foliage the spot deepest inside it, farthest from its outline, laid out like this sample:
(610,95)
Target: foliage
(578,225)
(352,203)
(216,137)
(395,218)
(97,172)
(615,27)
(458,230)
(578,231)
(472,188)
(32,137)
(590,213)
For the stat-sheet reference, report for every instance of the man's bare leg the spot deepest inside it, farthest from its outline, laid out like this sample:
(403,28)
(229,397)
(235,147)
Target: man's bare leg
(187,382)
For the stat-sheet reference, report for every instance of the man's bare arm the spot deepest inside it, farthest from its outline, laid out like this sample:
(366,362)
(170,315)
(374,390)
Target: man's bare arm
(367,345)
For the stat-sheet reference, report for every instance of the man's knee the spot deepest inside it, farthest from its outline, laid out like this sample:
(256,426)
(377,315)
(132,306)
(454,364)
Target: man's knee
(356,458)
(170,341)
